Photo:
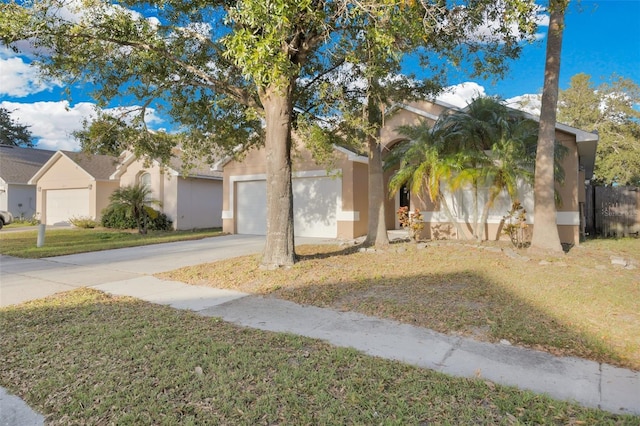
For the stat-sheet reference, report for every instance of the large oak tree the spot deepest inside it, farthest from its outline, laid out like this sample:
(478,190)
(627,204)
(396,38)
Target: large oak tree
(228,72)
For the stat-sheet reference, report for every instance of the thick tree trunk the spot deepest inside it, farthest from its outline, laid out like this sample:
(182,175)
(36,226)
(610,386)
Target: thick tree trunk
(377,227)
(279,247)
(545,229)
(376,223)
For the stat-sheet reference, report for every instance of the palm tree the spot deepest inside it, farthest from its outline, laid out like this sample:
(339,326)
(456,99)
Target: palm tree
(512,163)
(469,134)
(424,166)
(134,199)
(545,232)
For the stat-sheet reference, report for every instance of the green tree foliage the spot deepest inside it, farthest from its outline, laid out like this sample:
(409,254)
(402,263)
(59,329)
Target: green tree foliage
(222,69)
(425,165)
(106,135)
(498,144)
(12,132)
(367,74)
(609,110)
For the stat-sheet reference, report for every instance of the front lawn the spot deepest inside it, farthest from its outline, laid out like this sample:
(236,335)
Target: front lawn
(580,304)
(60,242)
(84,357)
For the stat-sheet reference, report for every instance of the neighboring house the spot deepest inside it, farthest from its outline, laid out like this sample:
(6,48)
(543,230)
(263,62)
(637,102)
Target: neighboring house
(191,201)
(74,184)
(334,203)
(17,166)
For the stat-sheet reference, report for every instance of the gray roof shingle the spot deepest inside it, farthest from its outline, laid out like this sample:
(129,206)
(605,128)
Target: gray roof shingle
(100,167)
(18,165)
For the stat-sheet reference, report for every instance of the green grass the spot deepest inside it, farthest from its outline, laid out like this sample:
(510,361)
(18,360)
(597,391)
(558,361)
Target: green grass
(579,304)
(60,242)
(87,358)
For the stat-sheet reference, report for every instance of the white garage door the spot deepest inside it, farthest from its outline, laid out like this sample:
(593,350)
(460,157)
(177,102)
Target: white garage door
(251,205)
(61,204)
(315,204)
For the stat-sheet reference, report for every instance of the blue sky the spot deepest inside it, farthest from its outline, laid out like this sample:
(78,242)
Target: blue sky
(602,37)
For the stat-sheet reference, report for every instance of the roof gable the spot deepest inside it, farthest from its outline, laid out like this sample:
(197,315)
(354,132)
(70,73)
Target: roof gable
(97,167)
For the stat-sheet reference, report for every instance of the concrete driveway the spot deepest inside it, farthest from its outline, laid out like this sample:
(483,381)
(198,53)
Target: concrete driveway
(28,279)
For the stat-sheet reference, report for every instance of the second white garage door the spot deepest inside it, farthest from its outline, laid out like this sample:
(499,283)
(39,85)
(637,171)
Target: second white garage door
(315,204)
(61,204)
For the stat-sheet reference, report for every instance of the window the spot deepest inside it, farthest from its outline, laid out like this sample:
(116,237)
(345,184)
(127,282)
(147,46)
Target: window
(145,180)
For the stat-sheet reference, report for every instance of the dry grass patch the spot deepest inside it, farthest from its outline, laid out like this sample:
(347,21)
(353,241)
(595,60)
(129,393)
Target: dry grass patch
(579,304)
(85,358)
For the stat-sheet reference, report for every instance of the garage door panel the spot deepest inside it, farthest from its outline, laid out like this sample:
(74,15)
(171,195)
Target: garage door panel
(315,203)
(62,204)
(251,207)
(315,206)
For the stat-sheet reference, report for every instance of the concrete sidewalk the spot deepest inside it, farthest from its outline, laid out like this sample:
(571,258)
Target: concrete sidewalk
(117,272)
(586,382)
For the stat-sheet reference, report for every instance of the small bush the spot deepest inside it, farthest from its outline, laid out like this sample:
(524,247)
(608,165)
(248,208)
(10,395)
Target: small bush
(117,217)
(27,221)
(516,226)
(411,221)
(83,222)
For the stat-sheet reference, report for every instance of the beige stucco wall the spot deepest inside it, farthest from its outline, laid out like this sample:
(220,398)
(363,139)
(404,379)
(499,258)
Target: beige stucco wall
(100,196)
(132,174)
(355,198)
(389,133)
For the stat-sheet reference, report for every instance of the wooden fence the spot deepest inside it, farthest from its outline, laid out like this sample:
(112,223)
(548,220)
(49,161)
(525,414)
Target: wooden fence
(612,211)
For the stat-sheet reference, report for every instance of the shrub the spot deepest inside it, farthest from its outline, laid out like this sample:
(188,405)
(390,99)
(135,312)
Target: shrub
(117,217)
(23,220)
(516,226)
(411,221)
(83,222)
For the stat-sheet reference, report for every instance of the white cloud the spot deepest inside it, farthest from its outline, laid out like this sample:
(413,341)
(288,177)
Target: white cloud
(19,79)
(461,94)
(530,103)
(490,29)
(52,123)
(128,112)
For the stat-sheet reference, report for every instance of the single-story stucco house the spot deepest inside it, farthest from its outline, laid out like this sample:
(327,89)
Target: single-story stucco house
(334,203)
(75,184)
(17,166)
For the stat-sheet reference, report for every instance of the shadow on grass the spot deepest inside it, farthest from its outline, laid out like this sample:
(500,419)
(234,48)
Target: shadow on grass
(452,293)
(460,303)
(86,358)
